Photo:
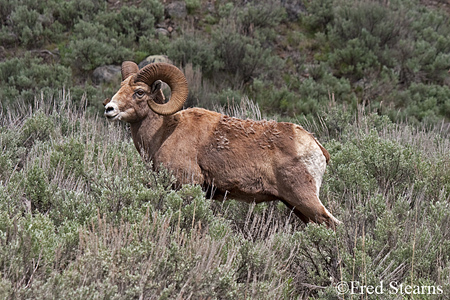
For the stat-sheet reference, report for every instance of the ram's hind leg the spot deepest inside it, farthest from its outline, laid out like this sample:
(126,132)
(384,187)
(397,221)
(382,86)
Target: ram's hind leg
(298,190)
(296,212)
(311,209)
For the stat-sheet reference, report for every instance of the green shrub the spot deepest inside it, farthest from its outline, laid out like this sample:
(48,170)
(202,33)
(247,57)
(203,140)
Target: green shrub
(354,60)
(259,19)
(192,5)
(313,95)
(6,7)
(362,36)
(33,24)
(26,77)
(150,45)
(226,10)
(384,50)
(13,152)
(320,14)
(236,53)
(129,24)
(96,34)
(370,164)
(188,207)
(37,189)
(422,103)
(26,26)
(303,96)
(70,13)
(119,197)
(225,97)
(40,127)
(429,59)
(195,50)
(375,25)
(154,7)
(91,46)
(69,157)
(243,58)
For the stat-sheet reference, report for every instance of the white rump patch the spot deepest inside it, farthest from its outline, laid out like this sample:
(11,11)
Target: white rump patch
(316,164)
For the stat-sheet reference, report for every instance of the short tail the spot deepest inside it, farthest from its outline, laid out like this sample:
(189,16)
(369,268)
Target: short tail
(324,151)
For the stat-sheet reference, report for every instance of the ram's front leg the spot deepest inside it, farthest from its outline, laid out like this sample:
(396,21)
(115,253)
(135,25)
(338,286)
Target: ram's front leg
(185,170)
(190,174)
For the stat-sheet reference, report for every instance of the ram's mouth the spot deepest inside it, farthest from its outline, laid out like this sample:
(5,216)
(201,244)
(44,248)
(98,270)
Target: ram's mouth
(112,117)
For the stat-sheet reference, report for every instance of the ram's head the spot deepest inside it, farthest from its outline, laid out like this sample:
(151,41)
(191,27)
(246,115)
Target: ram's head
(141,91)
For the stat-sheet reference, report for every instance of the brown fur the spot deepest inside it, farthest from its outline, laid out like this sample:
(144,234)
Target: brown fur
(248,160)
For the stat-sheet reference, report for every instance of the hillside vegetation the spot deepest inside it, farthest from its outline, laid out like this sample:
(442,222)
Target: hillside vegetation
(291,57)
(83,217)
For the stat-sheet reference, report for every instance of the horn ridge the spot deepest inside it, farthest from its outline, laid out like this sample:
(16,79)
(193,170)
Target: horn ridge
(174,78)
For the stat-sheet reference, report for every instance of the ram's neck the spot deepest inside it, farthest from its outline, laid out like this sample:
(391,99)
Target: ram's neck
(148,135)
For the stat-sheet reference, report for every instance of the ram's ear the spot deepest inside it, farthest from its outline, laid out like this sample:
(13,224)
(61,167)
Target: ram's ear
(156,86)
(157,91)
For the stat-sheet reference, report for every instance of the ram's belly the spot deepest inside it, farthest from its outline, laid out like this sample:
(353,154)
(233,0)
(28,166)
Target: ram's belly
(250,190)
(247,179)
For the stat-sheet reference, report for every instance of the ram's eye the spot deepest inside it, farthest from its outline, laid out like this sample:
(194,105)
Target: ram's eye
(139,93)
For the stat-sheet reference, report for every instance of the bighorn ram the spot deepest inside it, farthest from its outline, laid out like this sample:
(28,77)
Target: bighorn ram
(252,161)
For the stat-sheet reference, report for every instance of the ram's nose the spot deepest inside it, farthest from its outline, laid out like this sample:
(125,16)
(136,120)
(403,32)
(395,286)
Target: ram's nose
(111,111)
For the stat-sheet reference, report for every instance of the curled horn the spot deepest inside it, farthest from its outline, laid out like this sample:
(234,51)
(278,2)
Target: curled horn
(129,68)
(174,78)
